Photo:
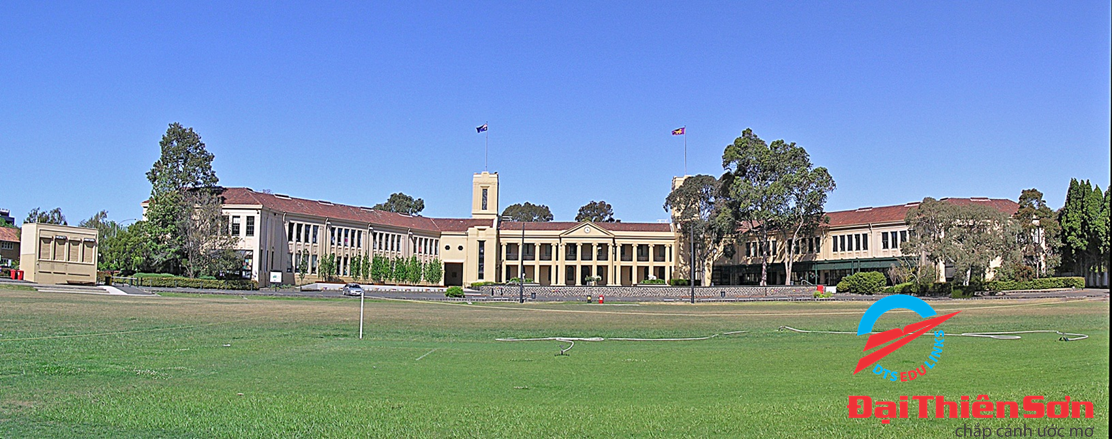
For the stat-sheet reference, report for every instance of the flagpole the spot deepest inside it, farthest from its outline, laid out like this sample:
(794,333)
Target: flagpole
(486,154)
(685,150)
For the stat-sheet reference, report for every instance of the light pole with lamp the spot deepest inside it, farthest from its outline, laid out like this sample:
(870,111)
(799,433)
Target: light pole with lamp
(520,262)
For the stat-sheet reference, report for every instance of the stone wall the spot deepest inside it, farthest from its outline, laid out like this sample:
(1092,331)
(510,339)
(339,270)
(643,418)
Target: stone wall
(581,292)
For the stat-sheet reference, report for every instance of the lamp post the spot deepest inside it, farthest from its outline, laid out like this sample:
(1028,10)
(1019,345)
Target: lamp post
(520,262)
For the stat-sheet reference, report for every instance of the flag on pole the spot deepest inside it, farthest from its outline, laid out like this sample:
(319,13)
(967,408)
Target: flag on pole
(481,128)
(676,132)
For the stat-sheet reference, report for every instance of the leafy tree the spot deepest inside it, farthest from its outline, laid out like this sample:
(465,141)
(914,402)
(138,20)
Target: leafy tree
(1040,234)
(206,240)
(181,180)
(328,266)
(433,271)
(399,266)
(698,210)
(402,203)
(380,268)
(107,231)
(773,189)
(596,211)
(125,250)
(52,216)
(528,212)
(1084,228)
(303,267)
(413,270)
(364,268)
(968,236)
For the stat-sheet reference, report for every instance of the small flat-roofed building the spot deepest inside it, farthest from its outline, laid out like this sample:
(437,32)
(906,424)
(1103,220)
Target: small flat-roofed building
(54,254)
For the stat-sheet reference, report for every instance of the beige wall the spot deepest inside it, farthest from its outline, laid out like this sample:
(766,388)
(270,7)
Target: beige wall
(53,254)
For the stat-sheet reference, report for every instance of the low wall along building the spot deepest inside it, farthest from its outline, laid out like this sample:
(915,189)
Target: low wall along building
(54,254)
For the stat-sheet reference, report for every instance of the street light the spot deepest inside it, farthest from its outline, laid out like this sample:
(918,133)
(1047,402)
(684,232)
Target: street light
(520,262)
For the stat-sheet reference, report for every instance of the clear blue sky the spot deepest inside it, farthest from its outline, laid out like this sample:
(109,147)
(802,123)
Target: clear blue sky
(349,103)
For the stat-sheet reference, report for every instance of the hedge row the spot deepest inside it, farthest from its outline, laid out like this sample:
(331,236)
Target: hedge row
(1036,284)
(865,282)
(163,282)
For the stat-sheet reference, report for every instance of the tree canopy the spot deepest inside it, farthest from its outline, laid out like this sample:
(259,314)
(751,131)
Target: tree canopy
(696,208)
(1040,235)
(773,189)
(402,203)
(528,212)
(596,211)
(968,237)
(52,216)
(1085,236)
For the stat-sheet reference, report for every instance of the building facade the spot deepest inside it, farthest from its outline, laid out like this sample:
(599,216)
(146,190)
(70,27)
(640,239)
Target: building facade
(9,246)
(55,254)
(278,233)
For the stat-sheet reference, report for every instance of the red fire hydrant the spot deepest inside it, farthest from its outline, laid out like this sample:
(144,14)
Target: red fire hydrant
(600,299)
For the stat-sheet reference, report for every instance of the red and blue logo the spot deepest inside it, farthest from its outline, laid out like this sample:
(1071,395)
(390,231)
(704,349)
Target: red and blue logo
(892,340)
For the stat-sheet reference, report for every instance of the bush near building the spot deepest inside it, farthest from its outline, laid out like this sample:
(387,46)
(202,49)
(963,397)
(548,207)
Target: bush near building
(454,291)
(676,282)
(867,282)
(1036,284)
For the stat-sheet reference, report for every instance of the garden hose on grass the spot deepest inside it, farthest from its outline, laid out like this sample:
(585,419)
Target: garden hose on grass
(1007,335)
(571,340)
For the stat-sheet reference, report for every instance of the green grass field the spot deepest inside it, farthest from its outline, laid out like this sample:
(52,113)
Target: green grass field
(202,366)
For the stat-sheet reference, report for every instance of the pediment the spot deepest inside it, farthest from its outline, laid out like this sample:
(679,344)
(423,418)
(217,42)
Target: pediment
(586,229)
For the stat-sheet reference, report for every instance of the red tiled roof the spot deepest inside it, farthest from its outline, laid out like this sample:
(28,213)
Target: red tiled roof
(282,203)
(898,213)
(9,234)
(565,225)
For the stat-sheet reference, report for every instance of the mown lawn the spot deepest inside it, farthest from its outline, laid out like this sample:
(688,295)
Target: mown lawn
(187,366)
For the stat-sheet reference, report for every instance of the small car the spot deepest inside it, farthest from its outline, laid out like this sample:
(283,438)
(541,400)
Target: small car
(353,290)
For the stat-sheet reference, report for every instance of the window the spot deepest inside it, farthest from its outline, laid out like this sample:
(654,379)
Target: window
(289,262)
(289,234)
(7,245)
(235,225)
(857,242)
(482,259)
(251,226)
(884,240)
(570,252)
(864,241)
(298,232)
(810,245)
(842,243)
(359,239)
(772,248)
(315,229)
(749,249)
(332,235)
(306,236)
(484,198)
(903,235)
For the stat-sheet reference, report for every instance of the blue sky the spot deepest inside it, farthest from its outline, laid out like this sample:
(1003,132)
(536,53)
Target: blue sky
(350,102)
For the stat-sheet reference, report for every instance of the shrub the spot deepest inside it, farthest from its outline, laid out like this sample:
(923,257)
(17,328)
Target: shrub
(1035,284)
(652,282)
(822,294)
(678,282)
(482,284)
(454,292)
(866,282)
(164,282)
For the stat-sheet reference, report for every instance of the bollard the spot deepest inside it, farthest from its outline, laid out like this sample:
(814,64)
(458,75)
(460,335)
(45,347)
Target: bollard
(533,296)
(600,299)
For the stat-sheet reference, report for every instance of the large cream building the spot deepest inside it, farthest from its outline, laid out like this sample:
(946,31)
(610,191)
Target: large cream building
(277,232)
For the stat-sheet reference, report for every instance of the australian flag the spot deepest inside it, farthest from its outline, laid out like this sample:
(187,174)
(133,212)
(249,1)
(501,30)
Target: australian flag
(481,128)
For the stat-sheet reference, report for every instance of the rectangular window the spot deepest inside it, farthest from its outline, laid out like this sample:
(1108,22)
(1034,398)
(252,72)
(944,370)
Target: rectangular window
(315,230)
(484,198)
(298,232)
(864,241)
(773,248)
(313,264)
(7,245)
(235,225)
(332,235)
(482,259)
(306,238)
(810,245)
(884,240)
(749,249)
(289,262)
(842,243)
(834,244)
(251,226)
(289,234)
(857,242)
(903,235)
